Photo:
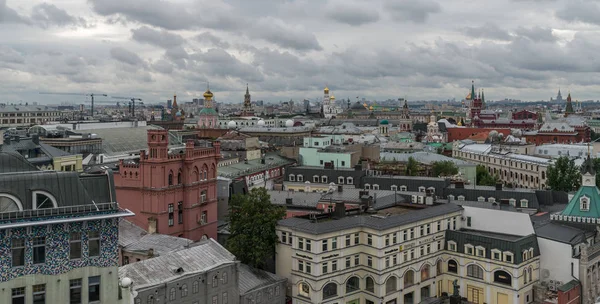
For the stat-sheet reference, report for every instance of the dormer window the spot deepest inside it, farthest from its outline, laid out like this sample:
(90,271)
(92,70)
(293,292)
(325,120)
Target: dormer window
(491,200)
(512,202)
(43,200)
(9,203)
(422,189)
(524,203)
(349,180)
(324,179)
(315,179)
(461,197)
(299,178)
(584,203)
(403,188)
(375,187)
(292,178)
(341,180)
(394,188)
(481,199)
(367,187)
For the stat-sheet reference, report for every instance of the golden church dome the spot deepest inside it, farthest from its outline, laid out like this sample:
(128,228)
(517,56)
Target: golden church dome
(332,97)
(208,94)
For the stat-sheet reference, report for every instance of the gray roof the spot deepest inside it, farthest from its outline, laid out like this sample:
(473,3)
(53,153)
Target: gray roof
(412,183)
(11,162)
(135,239)
(561,233)
(299,199)
(491,240)
(421,157)
(484,205)
(506,193)
(251,279)
(332,175)
(205,256)
(367,221)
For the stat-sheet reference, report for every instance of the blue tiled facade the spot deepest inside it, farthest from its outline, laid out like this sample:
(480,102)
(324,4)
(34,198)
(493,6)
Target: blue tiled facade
(57,248)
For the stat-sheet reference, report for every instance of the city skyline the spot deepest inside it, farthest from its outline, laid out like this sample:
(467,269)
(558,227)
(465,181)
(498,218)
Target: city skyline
(426,50)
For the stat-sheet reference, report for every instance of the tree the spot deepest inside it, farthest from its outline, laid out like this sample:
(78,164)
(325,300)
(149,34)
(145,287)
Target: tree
(444,168)
(252,220)
(484,178)
(563,175)
(596,166)
(412,167)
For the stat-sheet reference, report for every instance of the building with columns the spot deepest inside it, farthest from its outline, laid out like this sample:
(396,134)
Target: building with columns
(405,255)
(172,193)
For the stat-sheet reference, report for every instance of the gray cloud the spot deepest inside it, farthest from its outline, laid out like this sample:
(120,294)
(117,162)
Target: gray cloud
(284,35)
(412,10)
(582,11)
(536,33)
(488,30)
(126,56)
(208,38)
(154,12)
(159,38)
(352,13)
(163,66)
(9,15)
(46,15)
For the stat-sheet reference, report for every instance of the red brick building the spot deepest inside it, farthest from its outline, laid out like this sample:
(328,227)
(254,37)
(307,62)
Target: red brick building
(560,132)
(464,133)
(172,194)
(569,293)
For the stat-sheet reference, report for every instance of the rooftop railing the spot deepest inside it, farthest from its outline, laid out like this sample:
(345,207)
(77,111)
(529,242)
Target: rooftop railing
(65,210)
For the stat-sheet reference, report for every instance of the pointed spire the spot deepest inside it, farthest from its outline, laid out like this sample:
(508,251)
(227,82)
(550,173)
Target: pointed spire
(247,90)
(482,96)
(472,89)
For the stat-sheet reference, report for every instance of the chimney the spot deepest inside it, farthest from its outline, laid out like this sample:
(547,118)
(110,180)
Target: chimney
(289,201)
(152,225)
(340,188)
(499,186)
(35,138)
(151,252)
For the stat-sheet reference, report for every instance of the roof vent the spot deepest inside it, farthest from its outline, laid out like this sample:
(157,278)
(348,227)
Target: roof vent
(178,270)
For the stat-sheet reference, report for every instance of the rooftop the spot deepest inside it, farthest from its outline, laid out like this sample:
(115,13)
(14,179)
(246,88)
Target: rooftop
(367,221)
(208,254)
(135,239)
(272,160)
(251,279)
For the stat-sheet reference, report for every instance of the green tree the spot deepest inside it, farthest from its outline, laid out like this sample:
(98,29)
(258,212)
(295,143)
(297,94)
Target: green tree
(412,167)
(484,178)
(564,175)
(596,165)
(252,220)
(444,168)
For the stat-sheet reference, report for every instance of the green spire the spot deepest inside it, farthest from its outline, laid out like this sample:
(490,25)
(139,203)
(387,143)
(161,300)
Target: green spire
(472,89)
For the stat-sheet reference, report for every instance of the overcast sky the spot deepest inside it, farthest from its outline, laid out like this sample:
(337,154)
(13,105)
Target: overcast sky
(291,49)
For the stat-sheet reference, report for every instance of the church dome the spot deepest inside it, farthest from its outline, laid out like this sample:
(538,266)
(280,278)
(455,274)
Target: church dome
(384,122)
(178,113)
(289,123)
(332,97)
(232,124)
(358,106)
(326,90)
(208,94)
(261,123)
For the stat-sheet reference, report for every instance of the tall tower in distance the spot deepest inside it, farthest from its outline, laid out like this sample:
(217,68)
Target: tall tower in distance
(247,110)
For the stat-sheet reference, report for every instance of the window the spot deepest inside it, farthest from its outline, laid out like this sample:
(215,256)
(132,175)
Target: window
(367,187)
(277,291)
(325,244)
(75,245)
(301,266)
(180,212)
(94,243)
(356,239)
(481,199)
(450,197)
(308,247)
(195,287)
(370,284)
(300,243)
(43,200)
(502,277)
(496,255)
(508,257)
(391,284)
(334,243)
(18,295)
(403,188)
(425,273)
(524,203)
(308,268)
(524,276)
(215,281)
(171,211)
(315,179)
(224,277)
(204,217)
(422,230)
(438,268)
(292,178)
(352,284)
(324,267)
(348,240)
(18,252)
(284,237)
(461,197)
(184,290)
(179,177)
(94,289)
(394,238)
(369,261)
(369,240)
(299,178)
(409,278)
(343,163)
(172,294)
(480,252)
(428,228)
(469,249)
(349,180)
(356,260)
(75,291)
(329,291)
(412,233)
(170,178)
(475,271)
(451,246)
(394,188)
(375,187)
(387,240)
(584,204)
(531,253)
(304,290)
(215,299)
(394,259)
(203,196)
(452,266)
(387,262)
(39,250)
(225,298)
(340,180)
(324,179)
(348,262)
(468,221)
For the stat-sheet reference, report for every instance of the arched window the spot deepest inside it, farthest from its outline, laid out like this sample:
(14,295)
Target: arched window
(425,272)
(352,284)
(184,290)
(349,180)
(409,278)
(391,285)
(438,268)
(452,266)
(172,294)
(179,177)
(195,287)
(43,200)
(475,271)
(215,281)
(196,174)
(299,178)
(329,291)
(525,276)
(292,178)
(367,186)
(224,277)
(530,273)
(304,290)
(370,284)
(150,299)
(324,179)
(315,178)
(9,203)
(340,180)
(502,277)
(170,178)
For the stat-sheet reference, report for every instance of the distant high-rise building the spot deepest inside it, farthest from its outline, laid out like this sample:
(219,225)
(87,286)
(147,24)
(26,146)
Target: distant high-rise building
(169,104)
(559,96)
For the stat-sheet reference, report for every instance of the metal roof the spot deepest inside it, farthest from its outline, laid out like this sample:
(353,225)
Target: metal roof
(367,221)
(135,239)
(251,279)
(205,256)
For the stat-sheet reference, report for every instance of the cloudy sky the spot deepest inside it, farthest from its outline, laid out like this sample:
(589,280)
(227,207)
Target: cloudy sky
(291,49)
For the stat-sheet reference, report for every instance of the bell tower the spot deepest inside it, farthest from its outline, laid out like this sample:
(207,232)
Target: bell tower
(158,144)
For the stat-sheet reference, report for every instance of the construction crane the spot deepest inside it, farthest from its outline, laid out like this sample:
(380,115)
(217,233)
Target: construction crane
(80,94)
(133,99)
